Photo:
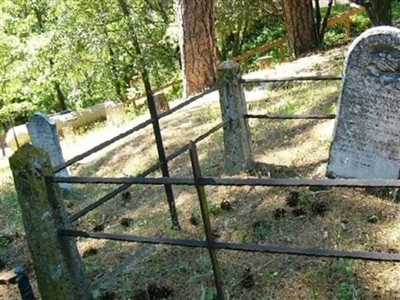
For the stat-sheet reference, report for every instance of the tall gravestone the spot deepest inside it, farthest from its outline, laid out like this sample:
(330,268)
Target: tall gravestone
(43,133)
(366,141)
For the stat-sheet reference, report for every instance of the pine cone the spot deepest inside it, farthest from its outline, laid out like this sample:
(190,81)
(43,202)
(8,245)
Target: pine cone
(292,199)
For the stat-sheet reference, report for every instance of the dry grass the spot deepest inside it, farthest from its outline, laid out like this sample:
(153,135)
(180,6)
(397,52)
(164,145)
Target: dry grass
(351,219)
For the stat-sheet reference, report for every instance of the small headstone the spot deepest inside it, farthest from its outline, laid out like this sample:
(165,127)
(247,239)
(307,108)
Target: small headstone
(161,102)
(366,142)
(68,134)
(114,113)
(265,62)
(43,133)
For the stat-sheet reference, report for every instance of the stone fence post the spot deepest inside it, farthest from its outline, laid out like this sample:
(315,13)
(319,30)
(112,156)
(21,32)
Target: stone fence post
(237,140)
(58,267)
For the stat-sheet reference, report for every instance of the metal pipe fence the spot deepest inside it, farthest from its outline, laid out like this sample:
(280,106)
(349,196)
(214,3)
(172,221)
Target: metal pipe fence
(200,182)
(126,185)
(290,79)
(294,78)
(154,121)
(132,130)
(209,243)
(288,117)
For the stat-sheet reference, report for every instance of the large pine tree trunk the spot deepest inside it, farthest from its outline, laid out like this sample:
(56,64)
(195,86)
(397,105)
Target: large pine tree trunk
(197,45)
(300,26)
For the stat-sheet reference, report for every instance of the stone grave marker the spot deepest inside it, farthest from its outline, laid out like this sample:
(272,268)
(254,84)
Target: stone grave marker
(366,141)
(115,114)
(43,133)
(161,101)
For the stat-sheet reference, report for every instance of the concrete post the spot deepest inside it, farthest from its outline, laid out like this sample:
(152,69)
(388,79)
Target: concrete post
(237,141)
(58,267)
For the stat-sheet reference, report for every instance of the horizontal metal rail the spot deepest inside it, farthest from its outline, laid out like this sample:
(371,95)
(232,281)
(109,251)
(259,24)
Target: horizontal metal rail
(132,130)
(188,101)
(102,145)
(315,252)
(292,117)
(296,78)
(152,169)
(294,182)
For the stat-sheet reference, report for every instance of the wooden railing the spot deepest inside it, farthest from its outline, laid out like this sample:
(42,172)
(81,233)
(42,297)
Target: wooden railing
(345,17)
(156,90)
(280,42)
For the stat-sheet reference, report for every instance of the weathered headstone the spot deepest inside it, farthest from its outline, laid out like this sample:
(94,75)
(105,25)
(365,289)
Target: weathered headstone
(366,142)
(114,113)
(161,102)
(43,133)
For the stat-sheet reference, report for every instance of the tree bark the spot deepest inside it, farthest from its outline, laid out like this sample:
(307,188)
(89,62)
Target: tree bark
(197,44)
(62,100)
(380,12)
(300,26)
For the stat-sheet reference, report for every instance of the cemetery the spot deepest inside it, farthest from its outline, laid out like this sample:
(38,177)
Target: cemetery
(262,188)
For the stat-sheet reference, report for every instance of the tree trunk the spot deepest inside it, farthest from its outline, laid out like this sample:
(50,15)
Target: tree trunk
(197,44)
(62,100)
(300,26)
(380,12)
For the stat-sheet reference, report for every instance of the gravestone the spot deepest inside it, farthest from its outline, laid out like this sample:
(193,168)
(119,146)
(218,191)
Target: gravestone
(366,141)
(115,114)
(161,102)
(43,133)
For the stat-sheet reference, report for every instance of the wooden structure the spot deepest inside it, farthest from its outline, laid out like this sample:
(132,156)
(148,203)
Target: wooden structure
(345,17)
(267,46)
(265,62)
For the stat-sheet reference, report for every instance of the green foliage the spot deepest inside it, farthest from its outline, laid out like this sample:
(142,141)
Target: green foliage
(306,199)
(395,10)
(213,209)
(9,204)
(345,288)
(261,229)
(338,275)
(174,92)
(336,9)
(360,23)
(241,237)
(57,53)
(208,294)
(255,23)
(290,108)
(334,35)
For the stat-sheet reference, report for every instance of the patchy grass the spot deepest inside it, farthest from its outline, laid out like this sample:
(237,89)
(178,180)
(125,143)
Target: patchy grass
(9,203)
(339,218)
